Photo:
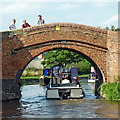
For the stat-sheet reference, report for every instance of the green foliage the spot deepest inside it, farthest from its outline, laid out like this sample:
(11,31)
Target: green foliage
(83,67)
(112,28)
(111,91)
(68,58)
(13,51)
(62,56)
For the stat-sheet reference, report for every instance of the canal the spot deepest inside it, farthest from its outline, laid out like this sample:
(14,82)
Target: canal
(33,104)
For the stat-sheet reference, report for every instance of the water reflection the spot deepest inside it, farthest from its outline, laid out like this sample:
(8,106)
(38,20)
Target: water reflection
(11,109)
(33,104)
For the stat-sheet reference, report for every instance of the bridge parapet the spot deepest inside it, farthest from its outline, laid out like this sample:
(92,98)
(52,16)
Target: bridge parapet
(66,31)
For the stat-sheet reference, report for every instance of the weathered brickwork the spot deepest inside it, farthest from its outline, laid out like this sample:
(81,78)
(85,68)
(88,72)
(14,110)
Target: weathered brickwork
(119,54)
(113,56)
(98,46)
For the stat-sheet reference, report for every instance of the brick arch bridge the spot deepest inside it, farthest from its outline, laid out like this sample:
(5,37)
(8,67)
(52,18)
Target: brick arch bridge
(19,47)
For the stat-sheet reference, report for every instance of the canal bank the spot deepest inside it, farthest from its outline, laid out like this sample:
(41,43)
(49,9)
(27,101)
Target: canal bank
(110,91)
(36,80)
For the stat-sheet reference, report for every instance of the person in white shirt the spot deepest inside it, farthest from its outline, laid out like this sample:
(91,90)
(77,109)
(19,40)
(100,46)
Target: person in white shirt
(65,81)
(40,21)
(12,26)
(93,73)
(92,70)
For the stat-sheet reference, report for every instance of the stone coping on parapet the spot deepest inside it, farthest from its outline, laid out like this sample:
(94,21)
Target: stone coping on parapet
(52,25)
(11,33)
(71,25)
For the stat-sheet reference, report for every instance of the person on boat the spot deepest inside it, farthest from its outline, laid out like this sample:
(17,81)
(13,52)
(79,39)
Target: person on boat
(92,70)
(75,81)
(74,72)
(65,81)
(92,75)
(46,74)
(40,20)
(12,26)
(56,73)
(25,25)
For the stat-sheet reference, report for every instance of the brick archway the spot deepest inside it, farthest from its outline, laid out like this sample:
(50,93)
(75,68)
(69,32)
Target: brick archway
(69,46)
(98,46)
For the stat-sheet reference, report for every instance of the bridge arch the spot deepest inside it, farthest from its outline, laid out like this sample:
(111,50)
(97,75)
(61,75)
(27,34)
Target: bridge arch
(20,46)
(54,47)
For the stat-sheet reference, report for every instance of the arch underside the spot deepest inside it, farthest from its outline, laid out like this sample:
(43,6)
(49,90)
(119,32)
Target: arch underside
(95,55)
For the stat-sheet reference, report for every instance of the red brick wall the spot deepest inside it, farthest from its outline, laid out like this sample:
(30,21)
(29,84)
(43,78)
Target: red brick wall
(94,42)
(112,56)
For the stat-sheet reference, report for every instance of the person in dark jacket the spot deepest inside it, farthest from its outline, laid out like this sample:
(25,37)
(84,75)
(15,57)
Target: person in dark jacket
(25,25)
(56,73)
(74,72)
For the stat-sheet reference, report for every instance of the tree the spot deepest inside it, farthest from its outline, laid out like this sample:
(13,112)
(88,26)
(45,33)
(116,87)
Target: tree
(112,28)
(63,57)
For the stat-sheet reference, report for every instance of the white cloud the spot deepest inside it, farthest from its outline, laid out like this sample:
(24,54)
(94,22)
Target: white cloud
(101,4)
(61,0)
(111,21)
(17,7)
(67,6)
(13,7)
(100,1)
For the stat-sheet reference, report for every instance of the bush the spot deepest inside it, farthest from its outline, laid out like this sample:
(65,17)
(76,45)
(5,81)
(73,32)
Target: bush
(111,91)
(32,72)
(83,67)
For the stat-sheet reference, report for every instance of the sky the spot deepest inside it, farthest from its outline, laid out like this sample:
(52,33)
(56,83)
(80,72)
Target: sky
(97,13)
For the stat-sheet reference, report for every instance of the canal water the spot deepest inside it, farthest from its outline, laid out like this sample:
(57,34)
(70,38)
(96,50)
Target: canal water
(33,104)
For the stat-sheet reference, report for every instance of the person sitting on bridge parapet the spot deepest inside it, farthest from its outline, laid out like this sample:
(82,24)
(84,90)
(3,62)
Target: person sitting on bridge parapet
(25,24)
(40,21)
(12,26)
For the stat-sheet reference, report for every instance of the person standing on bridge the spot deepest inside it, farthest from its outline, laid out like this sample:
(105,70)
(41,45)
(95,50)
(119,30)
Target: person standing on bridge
(12,26)
(40,21)
(25,25)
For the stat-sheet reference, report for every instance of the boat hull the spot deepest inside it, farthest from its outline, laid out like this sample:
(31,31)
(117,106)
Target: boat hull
(91,81)
(64,93)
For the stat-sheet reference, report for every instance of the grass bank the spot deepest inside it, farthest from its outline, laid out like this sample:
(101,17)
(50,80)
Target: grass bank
(30,77)
(110,91)
(86,75)
(30,72)
(37,77)
(31,81)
